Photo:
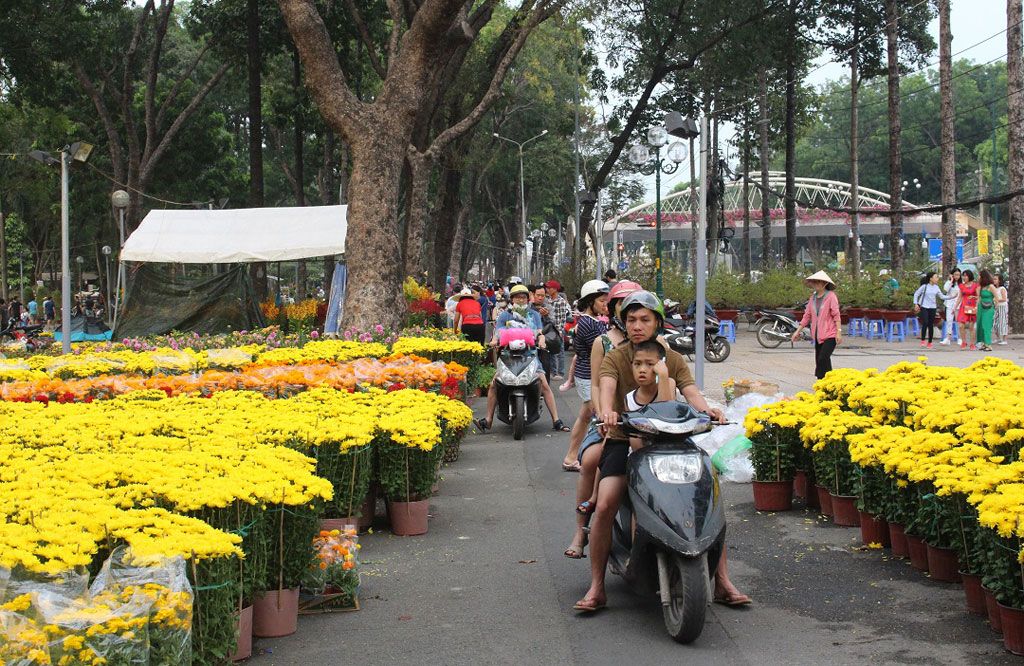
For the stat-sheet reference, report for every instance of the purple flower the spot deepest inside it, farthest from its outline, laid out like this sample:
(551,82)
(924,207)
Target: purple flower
(314,335)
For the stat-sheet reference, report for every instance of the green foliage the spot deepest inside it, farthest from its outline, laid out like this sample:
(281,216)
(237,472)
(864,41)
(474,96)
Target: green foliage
(349,473)
(408,474)
(872,490)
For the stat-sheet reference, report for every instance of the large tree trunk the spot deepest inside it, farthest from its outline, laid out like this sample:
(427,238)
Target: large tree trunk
(449,215)
(895,126)
(766,211)
(3,255)
(420,167)
(790,251)
(257,271)
(948,147)
(1015,104)
(855,153)
(300,173)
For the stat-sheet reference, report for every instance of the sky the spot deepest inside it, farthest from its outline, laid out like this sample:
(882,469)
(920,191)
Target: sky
(972,21)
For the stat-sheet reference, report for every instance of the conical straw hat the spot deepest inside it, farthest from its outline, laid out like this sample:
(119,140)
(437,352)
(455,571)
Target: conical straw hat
(821,276)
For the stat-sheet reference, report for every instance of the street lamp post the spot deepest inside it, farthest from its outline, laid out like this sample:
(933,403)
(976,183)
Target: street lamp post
(81,275)
(641,159)
(106,260)
(522,191)
(120,199)
(21,275)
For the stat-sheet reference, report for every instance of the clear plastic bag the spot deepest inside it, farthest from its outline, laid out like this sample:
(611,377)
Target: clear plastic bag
(337,560)
(110,629)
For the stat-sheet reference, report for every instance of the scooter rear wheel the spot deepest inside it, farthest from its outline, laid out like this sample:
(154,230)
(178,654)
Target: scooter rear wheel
(518,417)
(717,349)
(688,590)
(765,338)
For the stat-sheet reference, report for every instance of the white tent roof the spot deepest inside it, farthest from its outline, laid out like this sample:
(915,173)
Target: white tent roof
(238,235)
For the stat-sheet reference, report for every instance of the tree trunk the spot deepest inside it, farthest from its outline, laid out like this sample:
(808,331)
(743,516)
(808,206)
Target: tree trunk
(300,173)
(449,215)
(790,252)
(948,137)
(1015,104)
(458,243)
(329,195)
(257,271)
(420,167)
(895,126)
(855,153)
(746,202)
(3,255)
(766,211)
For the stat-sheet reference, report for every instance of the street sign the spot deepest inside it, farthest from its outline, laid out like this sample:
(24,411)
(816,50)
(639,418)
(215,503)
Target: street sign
(623,265)
(935,249)
(982,241)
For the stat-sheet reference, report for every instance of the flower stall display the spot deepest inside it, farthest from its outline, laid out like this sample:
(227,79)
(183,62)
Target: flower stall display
(332,582)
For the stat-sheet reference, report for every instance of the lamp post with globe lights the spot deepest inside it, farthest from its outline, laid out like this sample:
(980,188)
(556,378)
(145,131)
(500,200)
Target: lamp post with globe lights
(522,191)
(106,260)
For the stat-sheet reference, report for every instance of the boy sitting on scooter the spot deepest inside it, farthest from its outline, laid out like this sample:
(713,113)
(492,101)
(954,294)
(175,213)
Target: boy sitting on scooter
(519,315)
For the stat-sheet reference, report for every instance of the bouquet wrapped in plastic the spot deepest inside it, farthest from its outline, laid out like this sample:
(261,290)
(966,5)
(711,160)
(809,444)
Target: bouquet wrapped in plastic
(337,559)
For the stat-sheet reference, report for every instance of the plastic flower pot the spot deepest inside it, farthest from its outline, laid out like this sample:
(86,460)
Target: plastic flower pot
(995,620)
(773,495)
(974,594)
(874,529)
(275,613)
(800,484)
(844,510)
(811,498)
(243,634)
(824,500)
(1012,623)
(898,539)
(943,564)
(408,518)
(918,552)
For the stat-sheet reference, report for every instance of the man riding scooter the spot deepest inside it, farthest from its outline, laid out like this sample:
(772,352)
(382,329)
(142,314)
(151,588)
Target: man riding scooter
(519,313)
(643,316)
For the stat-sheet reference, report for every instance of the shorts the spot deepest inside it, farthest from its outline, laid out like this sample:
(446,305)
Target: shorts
(613,458)
(582,388)
(592,437)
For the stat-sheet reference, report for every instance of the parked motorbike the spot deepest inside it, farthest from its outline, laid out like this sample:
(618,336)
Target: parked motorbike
(774,328)
(15,331)
(680,520)
(679,333)
(517,386)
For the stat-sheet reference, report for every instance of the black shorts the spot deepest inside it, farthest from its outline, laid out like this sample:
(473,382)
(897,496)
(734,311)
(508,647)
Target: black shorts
(475,332)
(613,458)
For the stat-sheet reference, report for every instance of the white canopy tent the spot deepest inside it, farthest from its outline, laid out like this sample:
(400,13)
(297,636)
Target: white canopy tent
(238,235)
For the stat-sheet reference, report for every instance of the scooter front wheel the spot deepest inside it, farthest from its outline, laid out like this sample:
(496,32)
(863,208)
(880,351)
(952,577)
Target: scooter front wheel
(717,349)
(765,337)
(518,417)
(687,597)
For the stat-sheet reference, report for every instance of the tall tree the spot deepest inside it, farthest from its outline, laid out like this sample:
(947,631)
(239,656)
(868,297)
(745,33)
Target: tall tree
(766,219)
(948,138)
(1015,86)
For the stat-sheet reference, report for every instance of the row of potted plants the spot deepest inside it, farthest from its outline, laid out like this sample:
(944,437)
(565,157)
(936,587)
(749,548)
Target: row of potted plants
(925,460)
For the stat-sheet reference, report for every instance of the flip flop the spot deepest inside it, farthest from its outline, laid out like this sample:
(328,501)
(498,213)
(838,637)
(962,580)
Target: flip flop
(575,552)
(571,467)
(586,508)
(734,600)
(591,607)
(558,425)
(481,424)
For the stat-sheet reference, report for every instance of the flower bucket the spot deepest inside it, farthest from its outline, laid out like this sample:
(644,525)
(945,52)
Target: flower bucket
(275,613)
(773,495)
(918,552)
(243,634)
(727,315)
(329,524)
(943,564)
(975,596)
(874,529)
(1012,622)
(408,518)
(824,500)
(800,484)
(369,509)
(995,620)
(844,510)
(811,498)
(898,539)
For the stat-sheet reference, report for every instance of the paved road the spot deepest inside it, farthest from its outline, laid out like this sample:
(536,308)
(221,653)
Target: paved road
(489,585)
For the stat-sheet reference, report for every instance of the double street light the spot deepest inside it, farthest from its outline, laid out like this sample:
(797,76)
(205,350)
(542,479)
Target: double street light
(522,193)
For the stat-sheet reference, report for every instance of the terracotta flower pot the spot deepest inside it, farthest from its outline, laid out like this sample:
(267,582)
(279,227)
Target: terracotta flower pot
(1012,622)
(773,495)
(943,564)
(898,539)
(874,529)
(408,518)
(243,634)
(824,500)
(800,484)
(918,552)
(811,498)
(972,591)
(995,620)
(275,613)
(844,318)
(369,509)
(844,510)
(895,315)
(727,315)
(329,524)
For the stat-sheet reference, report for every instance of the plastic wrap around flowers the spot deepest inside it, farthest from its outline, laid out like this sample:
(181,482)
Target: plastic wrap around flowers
(335,568)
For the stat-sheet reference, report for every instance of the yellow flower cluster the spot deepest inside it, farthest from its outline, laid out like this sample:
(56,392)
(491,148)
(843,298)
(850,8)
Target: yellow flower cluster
(435,348)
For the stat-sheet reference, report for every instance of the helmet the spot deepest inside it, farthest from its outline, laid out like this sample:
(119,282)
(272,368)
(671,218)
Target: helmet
(642,299)
(622,289)
(591,287)
(519,289)
(515,279)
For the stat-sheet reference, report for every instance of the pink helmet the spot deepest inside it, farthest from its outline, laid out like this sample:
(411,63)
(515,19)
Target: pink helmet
(623,289)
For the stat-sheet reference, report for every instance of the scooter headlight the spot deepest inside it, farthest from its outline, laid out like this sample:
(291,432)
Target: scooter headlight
(644,425)
(509,378)
(677,468)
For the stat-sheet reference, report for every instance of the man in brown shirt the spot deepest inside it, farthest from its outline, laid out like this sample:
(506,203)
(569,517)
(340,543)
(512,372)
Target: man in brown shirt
(643,315)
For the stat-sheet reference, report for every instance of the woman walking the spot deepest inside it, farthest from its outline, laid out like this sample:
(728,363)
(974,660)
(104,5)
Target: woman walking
(592,304)
(952,289)
(821,316)
(468,318)
(926,300)
(987,301)
(1001,326)
(967,310)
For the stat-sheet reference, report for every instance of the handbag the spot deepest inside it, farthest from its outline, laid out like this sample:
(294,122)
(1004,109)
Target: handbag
(971,306)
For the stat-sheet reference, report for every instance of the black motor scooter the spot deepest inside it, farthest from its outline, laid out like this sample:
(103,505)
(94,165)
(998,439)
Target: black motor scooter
(774,328)
(517,386)
(679,333)
(680,520)
(15,331)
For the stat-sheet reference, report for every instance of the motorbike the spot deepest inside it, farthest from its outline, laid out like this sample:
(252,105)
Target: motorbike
(679,333)
(30,334)
(673,495)
(774,328)
(517,386)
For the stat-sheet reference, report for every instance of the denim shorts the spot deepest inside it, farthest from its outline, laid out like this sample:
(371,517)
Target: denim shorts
(583,388)
(592,437)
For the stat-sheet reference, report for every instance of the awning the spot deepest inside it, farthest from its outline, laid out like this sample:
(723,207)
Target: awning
(238,235)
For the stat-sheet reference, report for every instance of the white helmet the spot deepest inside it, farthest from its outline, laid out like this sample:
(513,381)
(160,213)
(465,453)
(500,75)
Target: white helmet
(515,279)
(591,287)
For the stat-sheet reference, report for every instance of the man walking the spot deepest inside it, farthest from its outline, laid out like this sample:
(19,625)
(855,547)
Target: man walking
(559,314)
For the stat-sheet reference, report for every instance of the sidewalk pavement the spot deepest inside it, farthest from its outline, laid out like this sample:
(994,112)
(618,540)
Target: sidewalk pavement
(488,584)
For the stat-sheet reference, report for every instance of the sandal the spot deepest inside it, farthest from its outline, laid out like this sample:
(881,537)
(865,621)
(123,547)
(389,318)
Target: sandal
(575,552)
(558,425)
(586,508)
(589,605)
(574,466)
(481,424)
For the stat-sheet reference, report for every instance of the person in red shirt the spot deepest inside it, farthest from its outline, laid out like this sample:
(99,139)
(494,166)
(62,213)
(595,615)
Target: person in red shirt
(468,319)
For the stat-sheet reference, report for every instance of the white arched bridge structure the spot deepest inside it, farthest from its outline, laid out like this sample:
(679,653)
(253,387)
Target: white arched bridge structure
(637,223)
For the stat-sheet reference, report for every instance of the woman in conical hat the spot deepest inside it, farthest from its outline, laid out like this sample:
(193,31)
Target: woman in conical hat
(821,317)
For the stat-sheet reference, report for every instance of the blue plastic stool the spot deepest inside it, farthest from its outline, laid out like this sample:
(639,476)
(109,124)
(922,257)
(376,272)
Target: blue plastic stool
(876,329)
(956,329)
(897,331)
(728,329)
(858,327)
(913,326)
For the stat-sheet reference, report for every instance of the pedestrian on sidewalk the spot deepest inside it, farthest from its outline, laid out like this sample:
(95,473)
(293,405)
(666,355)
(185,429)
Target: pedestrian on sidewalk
(592,304)
(952,289)
(967,310)
(560,311)
(926,300)
(821,317)
(987,301)
(1001,326)
(468,319)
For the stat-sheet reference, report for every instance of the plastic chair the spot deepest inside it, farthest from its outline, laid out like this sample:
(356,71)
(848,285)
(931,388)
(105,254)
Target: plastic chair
(913,326)
(858,327)
(956,329)
(876,329)
(897,331)
(727,328)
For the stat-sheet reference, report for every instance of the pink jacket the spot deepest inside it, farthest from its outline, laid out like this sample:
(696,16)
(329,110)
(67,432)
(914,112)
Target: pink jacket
(823,323)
